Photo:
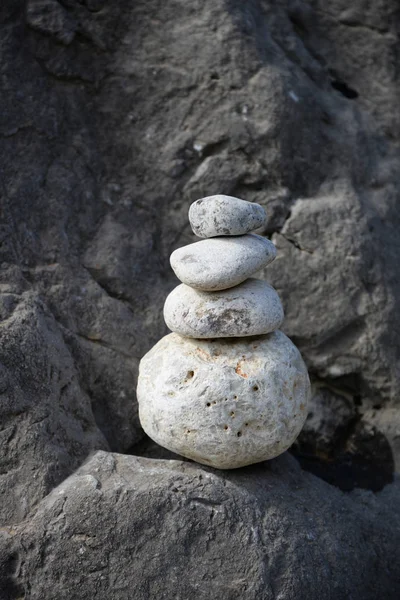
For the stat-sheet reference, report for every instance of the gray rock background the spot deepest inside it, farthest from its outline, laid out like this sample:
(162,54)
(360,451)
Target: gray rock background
(114,117)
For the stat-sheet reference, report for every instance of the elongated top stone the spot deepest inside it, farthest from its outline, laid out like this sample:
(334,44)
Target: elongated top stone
(251,308)
(221,263)
(224,215)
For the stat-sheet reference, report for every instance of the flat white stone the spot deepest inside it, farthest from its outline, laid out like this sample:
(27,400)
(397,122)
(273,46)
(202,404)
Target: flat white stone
(221,263)
(224,403)
(251,308)
(225,215)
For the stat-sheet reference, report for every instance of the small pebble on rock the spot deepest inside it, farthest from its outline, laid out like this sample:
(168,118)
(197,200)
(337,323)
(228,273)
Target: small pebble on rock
(252,308)
(221,263)
(224,215)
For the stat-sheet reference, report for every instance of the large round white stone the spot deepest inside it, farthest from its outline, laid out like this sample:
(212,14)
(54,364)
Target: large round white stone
(221,263)
(224,403)
(225,215)
(251,308)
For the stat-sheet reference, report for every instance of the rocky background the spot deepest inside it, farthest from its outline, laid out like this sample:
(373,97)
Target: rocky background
(114,117)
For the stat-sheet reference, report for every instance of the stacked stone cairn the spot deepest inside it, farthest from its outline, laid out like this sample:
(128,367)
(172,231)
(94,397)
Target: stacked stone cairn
(226,388)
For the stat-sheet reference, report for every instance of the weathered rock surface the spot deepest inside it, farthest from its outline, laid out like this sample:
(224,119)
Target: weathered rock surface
(116,116)
(221,263)
(224,403)
(47,426)
(251,308)
(225,215)
(124,527)
(284,104)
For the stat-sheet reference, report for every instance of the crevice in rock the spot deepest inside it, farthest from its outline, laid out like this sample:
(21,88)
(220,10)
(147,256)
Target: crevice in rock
(213,148)
(147,448)
(296,244)
(104,344)
(348,21)
(106,287)
(10,588)
(339,447)
(70,79)
(342,87)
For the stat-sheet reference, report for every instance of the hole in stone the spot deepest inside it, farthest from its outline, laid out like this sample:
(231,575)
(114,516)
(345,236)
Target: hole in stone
(246,424)
(232,414)
(226,427)
(255,388)
(344,89)
(189,374)
(239,434)
(298,25)
(214,76)
(208,403)
(352,455)
(235,397)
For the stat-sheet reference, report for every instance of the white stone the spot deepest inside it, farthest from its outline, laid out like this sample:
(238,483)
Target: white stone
(221,263)
(225,215)
(251,308)
(224,403)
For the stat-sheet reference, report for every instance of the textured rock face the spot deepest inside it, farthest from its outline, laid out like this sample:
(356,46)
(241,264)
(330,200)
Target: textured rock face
(47,426)
(134,527)
(224,215)
(251,308)
(217,264)
(114,117)
(290,104)
(224,403)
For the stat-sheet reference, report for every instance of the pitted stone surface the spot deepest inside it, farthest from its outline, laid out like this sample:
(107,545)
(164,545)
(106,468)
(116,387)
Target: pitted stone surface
(221,263)
(251,308)
(225,215)
(224,403)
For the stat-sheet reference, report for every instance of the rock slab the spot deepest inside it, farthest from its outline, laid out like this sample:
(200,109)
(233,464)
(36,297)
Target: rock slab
(224,215)
(221,263)
(251,308)
(224,403)
(130,527)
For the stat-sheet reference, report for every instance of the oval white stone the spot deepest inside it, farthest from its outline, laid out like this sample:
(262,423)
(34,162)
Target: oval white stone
(251,308)
(224,403)
(221,263)
(225,215)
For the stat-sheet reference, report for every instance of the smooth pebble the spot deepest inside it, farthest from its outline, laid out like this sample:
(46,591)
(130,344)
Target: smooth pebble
(252,308)
(225,215)
(221,263)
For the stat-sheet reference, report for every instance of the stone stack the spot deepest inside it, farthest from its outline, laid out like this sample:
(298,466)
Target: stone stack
(226,389)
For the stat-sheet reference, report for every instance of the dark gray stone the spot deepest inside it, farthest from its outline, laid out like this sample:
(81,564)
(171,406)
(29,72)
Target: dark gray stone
(47,425)
(126,527)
